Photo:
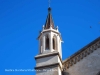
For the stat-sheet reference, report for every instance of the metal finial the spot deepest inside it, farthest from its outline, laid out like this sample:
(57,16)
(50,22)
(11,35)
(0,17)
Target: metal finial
(49,2)
(49,9)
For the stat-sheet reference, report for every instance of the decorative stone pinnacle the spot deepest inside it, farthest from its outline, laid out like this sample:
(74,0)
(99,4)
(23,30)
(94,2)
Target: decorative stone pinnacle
(43,27)
(57,27)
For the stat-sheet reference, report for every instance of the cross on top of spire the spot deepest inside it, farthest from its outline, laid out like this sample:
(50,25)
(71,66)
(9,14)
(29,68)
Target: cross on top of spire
(49,21)
(49,9)
(49,2)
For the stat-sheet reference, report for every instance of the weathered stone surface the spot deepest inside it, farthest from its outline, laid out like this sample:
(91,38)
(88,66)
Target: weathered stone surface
(89,65)
(48,60)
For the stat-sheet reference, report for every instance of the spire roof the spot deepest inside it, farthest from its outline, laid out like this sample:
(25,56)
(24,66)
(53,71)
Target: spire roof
(49,21)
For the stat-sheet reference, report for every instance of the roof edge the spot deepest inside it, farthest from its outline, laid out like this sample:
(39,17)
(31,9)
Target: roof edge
(92,45)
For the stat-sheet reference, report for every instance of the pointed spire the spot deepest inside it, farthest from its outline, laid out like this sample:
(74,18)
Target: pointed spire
(49,21)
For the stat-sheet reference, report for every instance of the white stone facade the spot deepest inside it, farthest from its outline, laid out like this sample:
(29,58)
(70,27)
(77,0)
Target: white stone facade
(55,54)
(50,54)
(47,60)
(50,33)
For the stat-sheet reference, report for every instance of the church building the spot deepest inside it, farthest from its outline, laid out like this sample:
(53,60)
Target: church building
(49,59)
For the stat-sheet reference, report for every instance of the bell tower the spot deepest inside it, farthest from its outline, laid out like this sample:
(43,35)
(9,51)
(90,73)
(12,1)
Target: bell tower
(49,59)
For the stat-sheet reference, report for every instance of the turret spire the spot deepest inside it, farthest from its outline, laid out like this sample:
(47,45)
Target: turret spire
(49,21)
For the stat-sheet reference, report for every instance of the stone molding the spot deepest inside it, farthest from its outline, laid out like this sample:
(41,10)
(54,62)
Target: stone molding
(46,66)
(47,55)
(50,30)
(82,53)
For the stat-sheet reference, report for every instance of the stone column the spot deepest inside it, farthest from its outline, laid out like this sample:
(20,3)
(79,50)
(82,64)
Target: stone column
(50,41)
(58,43)
(43,42)
(39,46)
(60,49)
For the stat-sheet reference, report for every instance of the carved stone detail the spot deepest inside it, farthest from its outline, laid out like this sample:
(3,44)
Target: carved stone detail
(73,60)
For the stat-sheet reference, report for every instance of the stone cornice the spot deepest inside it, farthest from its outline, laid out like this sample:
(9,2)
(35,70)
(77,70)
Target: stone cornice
(46,66)
(48,54)
(85,51)
(50,30)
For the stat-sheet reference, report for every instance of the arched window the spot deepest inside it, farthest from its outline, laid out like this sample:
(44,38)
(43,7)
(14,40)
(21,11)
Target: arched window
(47,43)
(54,41)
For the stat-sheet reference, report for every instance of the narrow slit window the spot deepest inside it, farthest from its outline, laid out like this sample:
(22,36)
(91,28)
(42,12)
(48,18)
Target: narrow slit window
(47,43)
(53,43)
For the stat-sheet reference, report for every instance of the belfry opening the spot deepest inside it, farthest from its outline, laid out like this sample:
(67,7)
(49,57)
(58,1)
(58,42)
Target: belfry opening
(47,43)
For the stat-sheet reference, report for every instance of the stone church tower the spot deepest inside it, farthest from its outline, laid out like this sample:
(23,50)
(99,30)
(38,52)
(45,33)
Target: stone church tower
(86,61)
(49,59)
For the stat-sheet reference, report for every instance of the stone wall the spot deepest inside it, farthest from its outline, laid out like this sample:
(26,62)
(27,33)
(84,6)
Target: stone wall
(89,65)
(48,60)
